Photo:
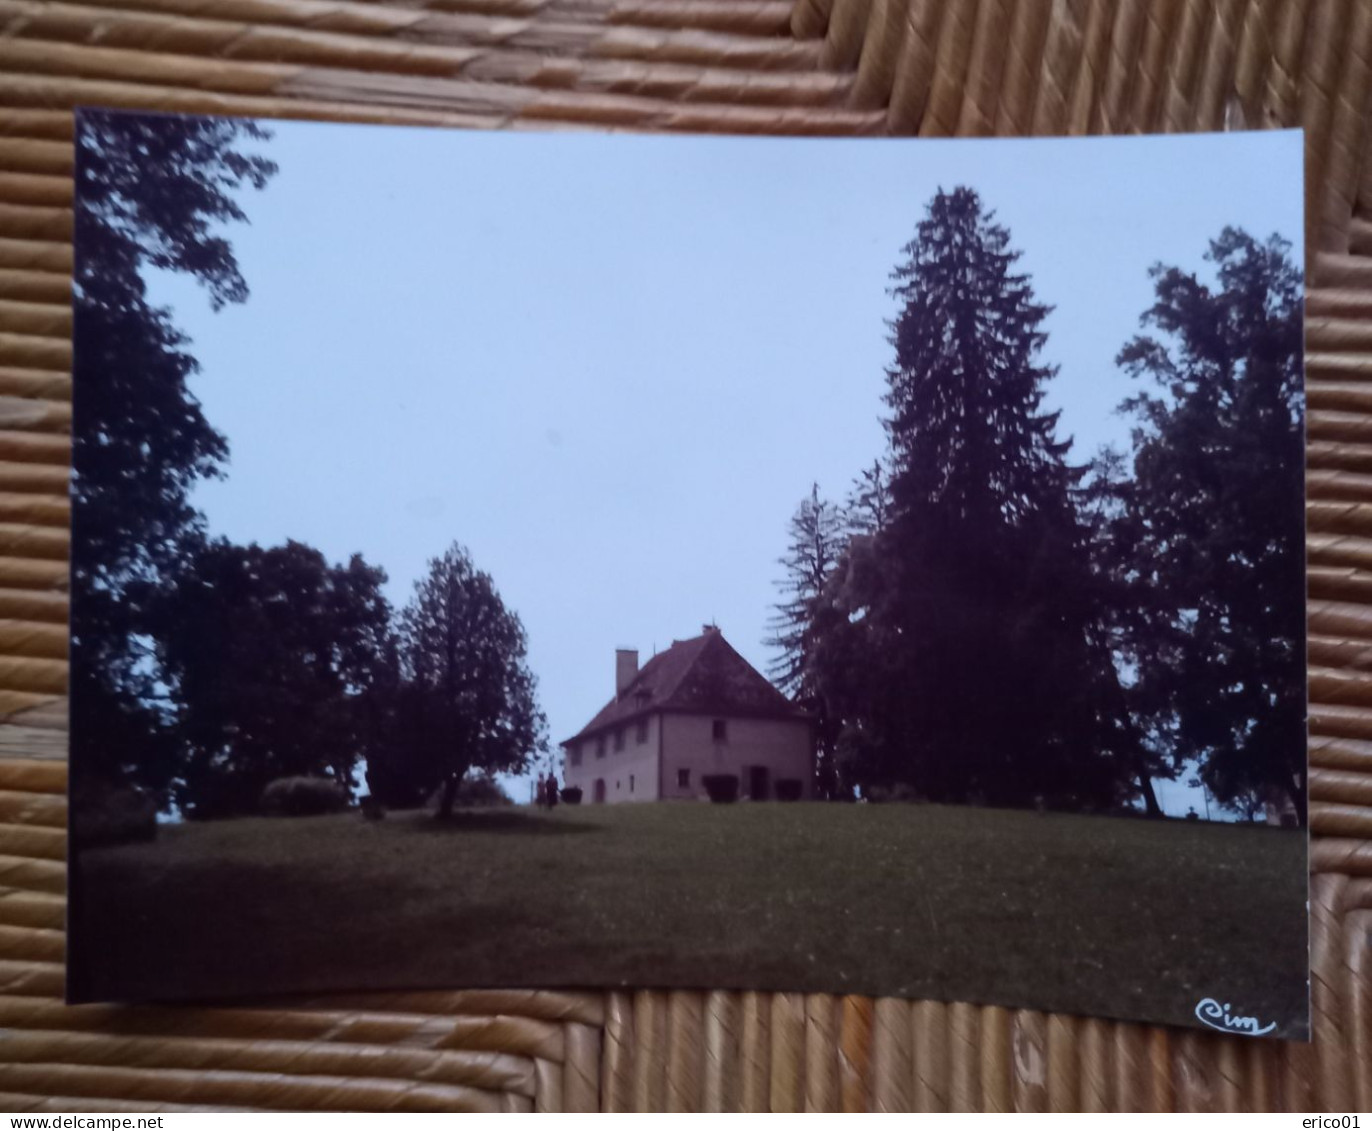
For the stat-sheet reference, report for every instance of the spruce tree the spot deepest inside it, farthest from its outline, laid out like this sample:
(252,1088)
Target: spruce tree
(868,507)
(991,606)
(816,542)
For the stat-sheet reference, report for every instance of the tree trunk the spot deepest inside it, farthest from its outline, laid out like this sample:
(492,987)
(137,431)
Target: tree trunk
(1150,797)
(447,798)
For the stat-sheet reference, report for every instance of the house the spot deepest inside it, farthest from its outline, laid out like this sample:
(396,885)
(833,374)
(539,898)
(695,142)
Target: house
(698,708)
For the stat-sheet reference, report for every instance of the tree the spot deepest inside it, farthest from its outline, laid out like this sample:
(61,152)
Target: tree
(1218,516)
(403,771)
(1110,516)
(868,507)
(855,663)
(151,191)
(816,542)
(990,688)
(465,654)
(271,654)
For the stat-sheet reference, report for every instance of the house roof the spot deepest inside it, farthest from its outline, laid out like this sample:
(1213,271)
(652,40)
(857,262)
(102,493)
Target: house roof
(699,676)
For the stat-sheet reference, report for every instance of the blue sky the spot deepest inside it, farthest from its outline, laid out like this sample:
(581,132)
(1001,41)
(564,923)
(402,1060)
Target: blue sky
(611,366)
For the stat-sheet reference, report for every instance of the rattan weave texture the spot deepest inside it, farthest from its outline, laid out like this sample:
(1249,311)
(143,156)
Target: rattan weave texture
(928,67)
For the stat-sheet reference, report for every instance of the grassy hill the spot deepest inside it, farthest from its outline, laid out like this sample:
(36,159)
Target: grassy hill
(1079,914)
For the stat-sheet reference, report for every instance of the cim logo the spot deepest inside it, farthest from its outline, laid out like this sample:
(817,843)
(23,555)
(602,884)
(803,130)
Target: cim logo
(1217,1016)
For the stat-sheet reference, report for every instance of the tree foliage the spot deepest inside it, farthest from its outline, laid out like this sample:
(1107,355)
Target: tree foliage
(988,600)
(1107,509)
(816,539)
(1215,521)
(152,191)
(816,542)
(470,700)
(998,625)
(272,657)
(868,507)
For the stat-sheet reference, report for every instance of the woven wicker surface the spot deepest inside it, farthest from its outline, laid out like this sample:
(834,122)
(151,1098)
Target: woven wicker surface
(821,66)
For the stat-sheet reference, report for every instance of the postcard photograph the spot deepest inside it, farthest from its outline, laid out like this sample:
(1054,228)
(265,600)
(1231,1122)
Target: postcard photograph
(564,560)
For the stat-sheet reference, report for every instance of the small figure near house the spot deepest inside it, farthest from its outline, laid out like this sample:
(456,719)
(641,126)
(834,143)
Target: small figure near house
(541,797)
(372,809)
(552,791)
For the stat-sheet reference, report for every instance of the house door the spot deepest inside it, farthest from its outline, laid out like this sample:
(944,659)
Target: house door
(757,783)
(600,791)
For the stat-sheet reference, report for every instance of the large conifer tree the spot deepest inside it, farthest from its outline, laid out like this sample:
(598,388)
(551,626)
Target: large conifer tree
(991,603)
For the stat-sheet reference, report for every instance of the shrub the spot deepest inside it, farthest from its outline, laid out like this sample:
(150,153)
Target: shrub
(572,795)
(105,815)
(303,796)
(722,788)
(789,789)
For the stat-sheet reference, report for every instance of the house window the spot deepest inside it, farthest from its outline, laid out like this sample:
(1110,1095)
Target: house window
(642,731)
(574,752)
(619,739)
(600,747)
(719,730)
(683,779)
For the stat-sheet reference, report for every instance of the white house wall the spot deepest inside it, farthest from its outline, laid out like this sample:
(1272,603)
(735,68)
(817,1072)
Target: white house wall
(783,746)
(629,774)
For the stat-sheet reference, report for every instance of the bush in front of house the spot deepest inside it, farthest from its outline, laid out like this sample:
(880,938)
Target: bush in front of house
(572,795)
(303,796)
(721,788)
(789,789)
(107,815)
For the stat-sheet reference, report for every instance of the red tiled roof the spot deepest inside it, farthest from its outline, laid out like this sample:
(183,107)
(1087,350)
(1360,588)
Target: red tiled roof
(700,676)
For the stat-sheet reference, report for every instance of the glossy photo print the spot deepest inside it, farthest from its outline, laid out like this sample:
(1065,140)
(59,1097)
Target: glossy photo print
(837,566)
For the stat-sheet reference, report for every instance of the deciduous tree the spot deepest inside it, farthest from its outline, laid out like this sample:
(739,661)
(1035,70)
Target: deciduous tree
(152,191)
(1217,513)
(474,698)
(272,655)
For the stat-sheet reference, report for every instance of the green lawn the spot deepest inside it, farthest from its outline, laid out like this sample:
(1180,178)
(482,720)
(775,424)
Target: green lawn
(1079,914)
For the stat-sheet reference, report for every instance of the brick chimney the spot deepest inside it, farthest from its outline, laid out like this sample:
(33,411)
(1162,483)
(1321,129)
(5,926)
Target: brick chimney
(626,668)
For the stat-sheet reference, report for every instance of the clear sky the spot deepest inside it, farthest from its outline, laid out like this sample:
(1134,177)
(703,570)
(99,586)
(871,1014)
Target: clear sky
(611,366)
